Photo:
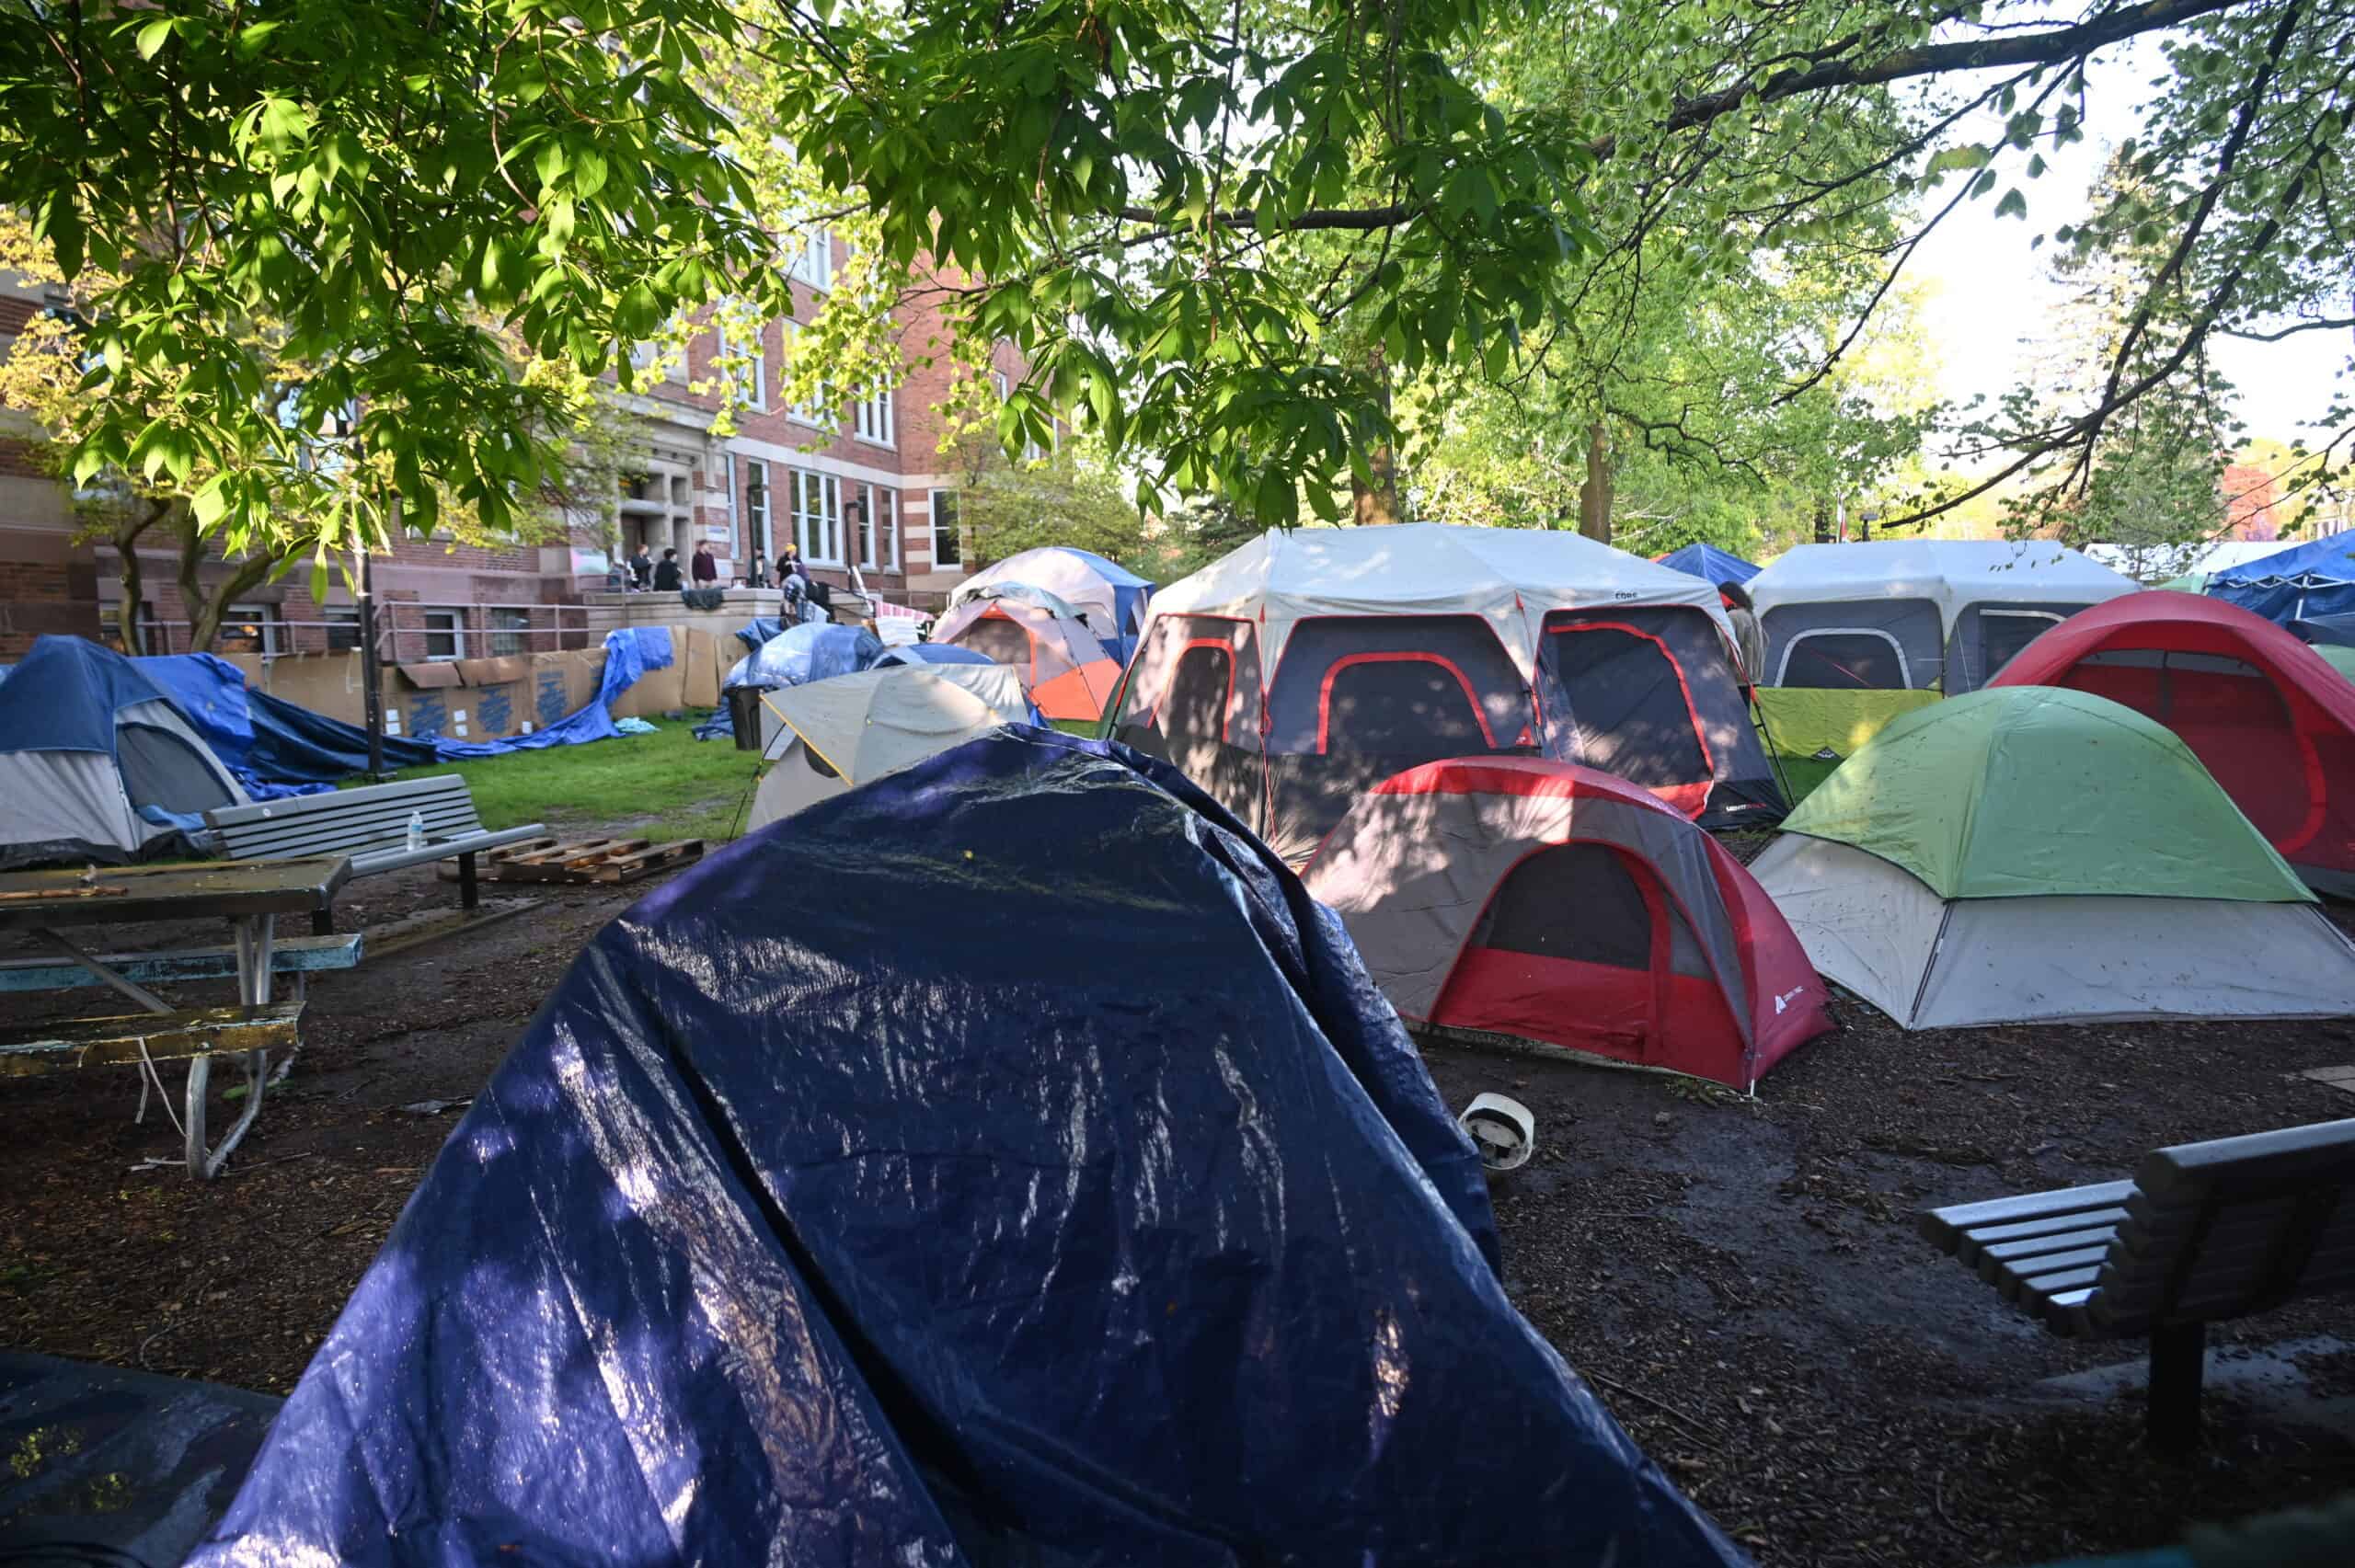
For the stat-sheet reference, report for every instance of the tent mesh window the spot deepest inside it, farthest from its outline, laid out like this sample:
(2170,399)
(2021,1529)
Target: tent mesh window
(1864,661)
(1587,903)
(1001,639)
(1201,694)
(161,769)
(1627,699)
(1417,686)
(2003,633)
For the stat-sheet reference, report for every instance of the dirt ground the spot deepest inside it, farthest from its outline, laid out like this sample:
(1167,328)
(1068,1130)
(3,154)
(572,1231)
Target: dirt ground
(1741,1279)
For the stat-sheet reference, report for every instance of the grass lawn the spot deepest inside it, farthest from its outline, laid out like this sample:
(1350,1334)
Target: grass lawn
(665,786)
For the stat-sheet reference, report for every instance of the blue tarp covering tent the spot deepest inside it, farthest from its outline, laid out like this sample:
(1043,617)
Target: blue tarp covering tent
(792,656)
(932,653)
(1713,564)
(2299,583)
(811,651)
(276,743)
(2327,630)
(1103,1214)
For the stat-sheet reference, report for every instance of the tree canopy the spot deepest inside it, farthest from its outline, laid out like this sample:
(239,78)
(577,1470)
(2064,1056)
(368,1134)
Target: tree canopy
(1235,241)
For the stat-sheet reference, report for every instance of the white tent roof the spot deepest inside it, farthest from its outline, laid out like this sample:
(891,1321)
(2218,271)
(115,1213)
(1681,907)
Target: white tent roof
(875,723)
(1508,576)
(1953,573)
(1070,575)
(2163,561)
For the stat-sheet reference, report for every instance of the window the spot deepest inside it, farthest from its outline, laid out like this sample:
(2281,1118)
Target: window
(756,503)
(947,548)
(643,357)
(814,414)
(509,631)
(818,517)
(753,379)
(344,628)
(814,263)
(871,418)
(1846,659)
(444,637)
(879,527)
(1004,386)
(253,628)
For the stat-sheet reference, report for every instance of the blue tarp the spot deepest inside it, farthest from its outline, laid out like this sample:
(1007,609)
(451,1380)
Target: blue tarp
(1104,1214)
(932,653)
(1720,566)
(277,744)
(2299,583)
(798,655)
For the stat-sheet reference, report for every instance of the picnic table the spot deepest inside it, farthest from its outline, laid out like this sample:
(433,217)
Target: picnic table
(248,895)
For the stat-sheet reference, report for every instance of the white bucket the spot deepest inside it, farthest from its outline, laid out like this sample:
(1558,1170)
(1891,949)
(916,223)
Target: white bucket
(1502,1130)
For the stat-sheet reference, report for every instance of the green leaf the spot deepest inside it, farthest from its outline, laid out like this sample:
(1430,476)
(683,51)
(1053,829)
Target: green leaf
(154,36)
(2013,205)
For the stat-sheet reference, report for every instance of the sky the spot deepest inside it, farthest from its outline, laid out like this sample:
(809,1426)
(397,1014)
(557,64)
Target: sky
(1986,290)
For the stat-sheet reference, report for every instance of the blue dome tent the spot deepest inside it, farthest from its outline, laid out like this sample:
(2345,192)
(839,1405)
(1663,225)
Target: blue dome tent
(97,763)
(1057,1223)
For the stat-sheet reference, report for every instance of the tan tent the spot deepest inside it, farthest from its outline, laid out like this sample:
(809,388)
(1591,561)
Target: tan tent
(836,735)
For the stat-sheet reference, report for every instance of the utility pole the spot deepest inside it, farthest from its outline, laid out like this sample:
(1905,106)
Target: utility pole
(372,678)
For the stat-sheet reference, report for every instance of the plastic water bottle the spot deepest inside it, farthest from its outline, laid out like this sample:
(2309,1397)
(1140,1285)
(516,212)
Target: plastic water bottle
(417,829)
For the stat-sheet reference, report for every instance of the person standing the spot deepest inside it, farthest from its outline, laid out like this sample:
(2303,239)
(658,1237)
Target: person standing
(666,573)
(758,575)
(705,570)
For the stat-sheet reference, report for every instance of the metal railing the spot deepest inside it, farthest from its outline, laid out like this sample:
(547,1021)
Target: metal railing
(402,637)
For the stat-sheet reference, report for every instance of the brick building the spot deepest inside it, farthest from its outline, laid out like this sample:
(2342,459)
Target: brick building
(861,486)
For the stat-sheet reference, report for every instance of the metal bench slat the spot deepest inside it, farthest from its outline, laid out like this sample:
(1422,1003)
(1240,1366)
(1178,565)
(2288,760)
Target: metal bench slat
(1946,1226)
(2028,1292)
(1995,1235)
(2031,1277)
(400,855)
(2016,1252)
(288,955)
(297,805)
(2186,1173)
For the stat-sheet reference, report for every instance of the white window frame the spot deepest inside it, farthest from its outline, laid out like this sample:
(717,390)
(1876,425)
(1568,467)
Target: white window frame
(871,418)
(758,374)
(269,617)
(819,529)
(335,617)
(455,631)
(498,633)
(814,415)
(757,504)
(933,502)
(1904,668)
(813,263)
(889,511)
(1003,382)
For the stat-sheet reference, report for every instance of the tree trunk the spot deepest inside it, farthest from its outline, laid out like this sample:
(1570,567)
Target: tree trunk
(206,610)
(1375,503)
(130,573)
(1594,495)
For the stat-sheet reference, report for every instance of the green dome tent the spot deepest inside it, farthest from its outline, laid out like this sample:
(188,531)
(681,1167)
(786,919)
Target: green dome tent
(2025,853)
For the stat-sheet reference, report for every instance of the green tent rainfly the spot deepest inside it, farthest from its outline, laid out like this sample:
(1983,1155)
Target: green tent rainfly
(2029,854)
(2036,791)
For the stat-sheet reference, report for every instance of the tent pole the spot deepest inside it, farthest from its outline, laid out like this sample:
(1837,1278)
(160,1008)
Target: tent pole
(370,667)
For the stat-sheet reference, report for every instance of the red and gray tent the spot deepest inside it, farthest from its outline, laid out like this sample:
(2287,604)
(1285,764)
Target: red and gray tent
(1299,671)
(1559,906)
(2264,712)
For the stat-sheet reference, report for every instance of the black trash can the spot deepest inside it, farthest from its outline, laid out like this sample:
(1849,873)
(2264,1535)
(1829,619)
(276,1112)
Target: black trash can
(744,712)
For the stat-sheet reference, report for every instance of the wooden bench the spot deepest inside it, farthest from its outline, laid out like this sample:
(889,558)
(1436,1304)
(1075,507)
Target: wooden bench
(370,824)
(2203,1234)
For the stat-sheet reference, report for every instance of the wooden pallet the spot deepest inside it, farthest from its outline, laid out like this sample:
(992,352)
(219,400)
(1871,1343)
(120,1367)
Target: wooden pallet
(581,860)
